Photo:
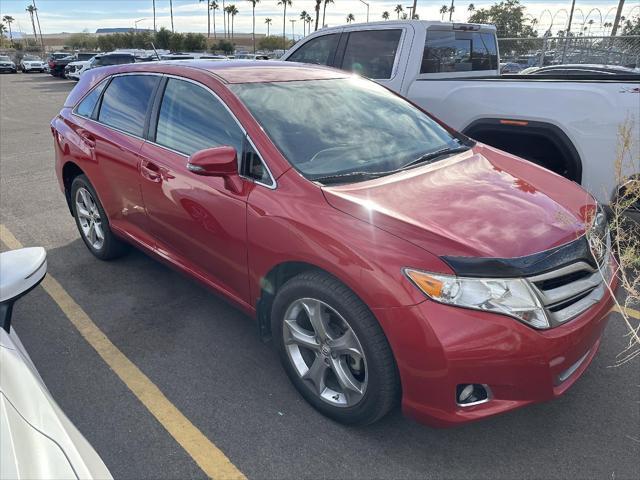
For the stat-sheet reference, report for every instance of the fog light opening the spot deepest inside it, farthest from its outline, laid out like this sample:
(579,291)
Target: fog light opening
(468,394)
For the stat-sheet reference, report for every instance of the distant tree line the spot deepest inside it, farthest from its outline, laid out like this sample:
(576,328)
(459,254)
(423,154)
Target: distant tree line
(162,39)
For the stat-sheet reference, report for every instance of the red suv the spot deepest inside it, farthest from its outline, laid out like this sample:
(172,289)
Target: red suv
(389,257)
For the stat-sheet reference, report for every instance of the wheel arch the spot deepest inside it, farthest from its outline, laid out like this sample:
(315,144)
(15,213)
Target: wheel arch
(518,129)
(269,286)
(70,170)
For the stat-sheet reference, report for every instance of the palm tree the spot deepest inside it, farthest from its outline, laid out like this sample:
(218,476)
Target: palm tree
(285,4)
(385,15)
(171,11)
(303,17)
(208,18)
(451,9)
(154,15)
(317,9)
(8,19)
(227,14)
(233,11)
(31,9)
(268,22)
(398,10)
(3,29)
(224,20)
(213,6)
(308,20)
(350,18)
(443,9)
(324,9)
(471,8)
(253,31)
(38,21)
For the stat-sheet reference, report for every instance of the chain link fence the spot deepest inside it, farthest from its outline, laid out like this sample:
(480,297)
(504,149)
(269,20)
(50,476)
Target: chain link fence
(540,51)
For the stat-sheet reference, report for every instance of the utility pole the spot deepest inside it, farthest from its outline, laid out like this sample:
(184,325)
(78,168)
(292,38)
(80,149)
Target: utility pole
(616,22)
(154,15)
(413,9)
(566,35)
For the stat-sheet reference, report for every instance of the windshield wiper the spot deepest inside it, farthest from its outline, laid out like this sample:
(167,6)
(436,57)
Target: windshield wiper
(431,156)
(348,177)
(354,176)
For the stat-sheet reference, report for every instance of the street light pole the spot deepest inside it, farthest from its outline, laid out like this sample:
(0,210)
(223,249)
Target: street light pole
(135,24)
(362,1)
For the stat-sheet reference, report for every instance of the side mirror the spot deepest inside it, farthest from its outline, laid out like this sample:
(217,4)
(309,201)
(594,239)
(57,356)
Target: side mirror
(217,162)
(20,272)
(214,162)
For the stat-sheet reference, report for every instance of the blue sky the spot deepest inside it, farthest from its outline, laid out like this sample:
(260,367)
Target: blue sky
(189,15)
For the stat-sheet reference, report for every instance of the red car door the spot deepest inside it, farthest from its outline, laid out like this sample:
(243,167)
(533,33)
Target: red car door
(197,221)
(116,140)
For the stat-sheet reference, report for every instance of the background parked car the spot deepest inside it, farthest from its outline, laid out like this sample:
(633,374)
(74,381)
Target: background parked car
(32,63)
(510,67)
(38,440)
(112,58)
(7,65)
(73,69)
(57,61)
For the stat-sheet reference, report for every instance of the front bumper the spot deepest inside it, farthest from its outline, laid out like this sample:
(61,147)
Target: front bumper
(7,68)
(438,347)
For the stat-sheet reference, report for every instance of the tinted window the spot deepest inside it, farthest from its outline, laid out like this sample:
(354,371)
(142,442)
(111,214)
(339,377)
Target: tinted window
(319,50)
(371,53)
(88,104)
(361,127)
(192,119)
(125,102)
(449,51)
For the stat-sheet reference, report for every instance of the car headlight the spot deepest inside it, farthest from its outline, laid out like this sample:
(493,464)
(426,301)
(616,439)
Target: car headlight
(513,296)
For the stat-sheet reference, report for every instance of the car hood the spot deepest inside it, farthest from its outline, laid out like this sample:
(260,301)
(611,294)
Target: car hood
(480,203)
(80,63)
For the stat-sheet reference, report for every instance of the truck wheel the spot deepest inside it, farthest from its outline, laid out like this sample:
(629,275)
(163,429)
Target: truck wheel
(333,349)
(92,221)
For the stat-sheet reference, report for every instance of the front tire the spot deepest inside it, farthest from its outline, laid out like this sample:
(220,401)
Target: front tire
(92,221)
(334,350)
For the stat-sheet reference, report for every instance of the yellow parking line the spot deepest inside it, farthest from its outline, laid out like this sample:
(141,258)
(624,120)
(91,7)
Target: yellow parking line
(629,311)
(209,458)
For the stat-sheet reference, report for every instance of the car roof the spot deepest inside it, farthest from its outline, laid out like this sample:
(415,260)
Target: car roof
(247,71)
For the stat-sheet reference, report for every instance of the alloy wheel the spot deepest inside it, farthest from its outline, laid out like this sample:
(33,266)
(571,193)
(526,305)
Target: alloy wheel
(89,218)
(325,352)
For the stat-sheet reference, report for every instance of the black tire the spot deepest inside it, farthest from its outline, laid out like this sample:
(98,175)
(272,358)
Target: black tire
(383,385)
(112,247)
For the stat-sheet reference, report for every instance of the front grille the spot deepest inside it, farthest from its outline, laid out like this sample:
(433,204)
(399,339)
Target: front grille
(567,292)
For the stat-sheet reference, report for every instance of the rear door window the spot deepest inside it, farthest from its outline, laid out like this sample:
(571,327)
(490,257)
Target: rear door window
(192,119)
(456,51)
(125,102)
(320,50)
(372,53)
(86,107)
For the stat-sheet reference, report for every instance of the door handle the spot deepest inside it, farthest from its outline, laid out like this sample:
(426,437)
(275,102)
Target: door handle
(150,171)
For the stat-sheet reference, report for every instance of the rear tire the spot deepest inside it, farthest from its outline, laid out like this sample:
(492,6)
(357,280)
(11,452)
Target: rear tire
(347,372)
(92,221)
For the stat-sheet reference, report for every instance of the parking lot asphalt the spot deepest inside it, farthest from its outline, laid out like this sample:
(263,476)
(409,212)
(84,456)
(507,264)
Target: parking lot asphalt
(206,358)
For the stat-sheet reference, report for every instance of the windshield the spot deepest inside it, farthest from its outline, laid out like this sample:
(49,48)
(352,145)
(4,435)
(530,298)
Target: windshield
(4,58)
(32,58)
(337,127)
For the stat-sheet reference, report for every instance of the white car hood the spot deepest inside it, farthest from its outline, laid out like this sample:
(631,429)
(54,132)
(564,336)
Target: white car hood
(38,440)
(80,63)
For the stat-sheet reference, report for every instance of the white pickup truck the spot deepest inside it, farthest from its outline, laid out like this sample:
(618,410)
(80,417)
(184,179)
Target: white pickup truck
(567,124)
